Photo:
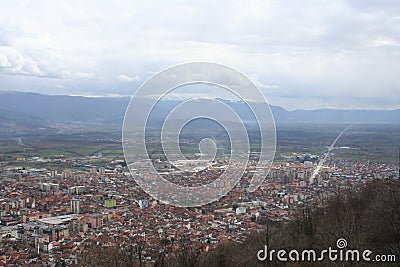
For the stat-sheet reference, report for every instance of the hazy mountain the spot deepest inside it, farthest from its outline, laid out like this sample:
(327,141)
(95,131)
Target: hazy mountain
(13,121)
(20,110)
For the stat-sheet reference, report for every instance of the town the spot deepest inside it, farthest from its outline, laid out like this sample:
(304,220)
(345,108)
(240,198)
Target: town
(52,215)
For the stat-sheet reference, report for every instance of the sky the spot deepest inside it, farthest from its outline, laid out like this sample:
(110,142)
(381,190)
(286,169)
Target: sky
(301,54)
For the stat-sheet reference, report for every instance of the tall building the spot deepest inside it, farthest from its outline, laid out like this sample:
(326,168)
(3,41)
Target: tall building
(75,205)
(96,221)
(110,203)
(66,174)
(49,187)
(76,190)
(143,204)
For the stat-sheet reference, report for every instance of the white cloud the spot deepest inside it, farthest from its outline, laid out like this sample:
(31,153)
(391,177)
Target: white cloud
(84,75)
(12,60)
(4,62)
(256,80)
(65,74)
(384,42)
(31,67)
(126,78)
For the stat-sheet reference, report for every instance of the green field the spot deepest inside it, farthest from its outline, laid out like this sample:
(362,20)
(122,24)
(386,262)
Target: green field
(375,142)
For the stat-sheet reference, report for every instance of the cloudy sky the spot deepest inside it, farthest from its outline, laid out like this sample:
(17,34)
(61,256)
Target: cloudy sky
(302,54)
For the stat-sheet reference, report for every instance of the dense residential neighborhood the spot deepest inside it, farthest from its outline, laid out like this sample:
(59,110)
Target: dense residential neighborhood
(51,216)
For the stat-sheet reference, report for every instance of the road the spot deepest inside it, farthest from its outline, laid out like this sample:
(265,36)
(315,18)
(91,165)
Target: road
(330,148)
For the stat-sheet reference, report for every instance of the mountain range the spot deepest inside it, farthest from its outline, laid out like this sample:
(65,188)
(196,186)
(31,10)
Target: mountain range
(21,111)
